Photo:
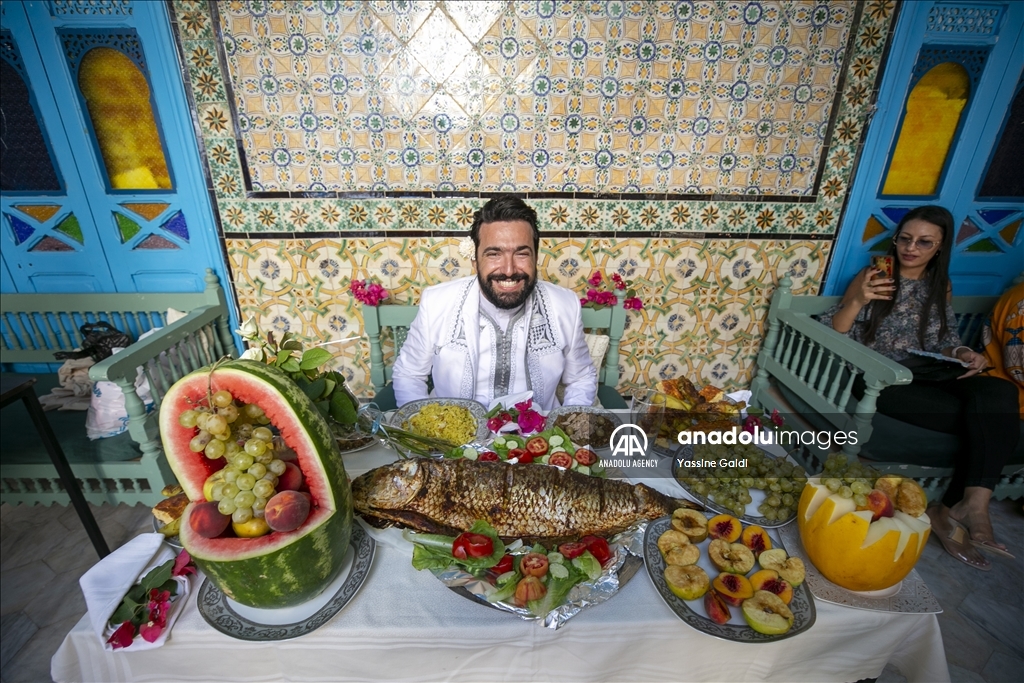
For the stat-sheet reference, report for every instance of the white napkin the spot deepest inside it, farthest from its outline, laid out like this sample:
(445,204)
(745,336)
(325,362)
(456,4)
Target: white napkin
(107,582)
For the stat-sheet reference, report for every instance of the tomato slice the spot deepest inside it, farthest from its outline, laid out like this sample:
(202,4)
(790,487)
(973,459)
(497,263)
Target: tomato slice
(598,547)
(488,456)
(516,453)
(537,446)
(525,458)
(585,456)
(504,565)
(472,545)
(560,459)
(572,550)
(529,588)
(534,564)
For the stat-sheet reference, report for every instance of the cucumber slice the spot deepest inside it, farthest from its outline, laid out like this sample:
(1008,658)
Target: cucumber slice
(499,442)
(558,449)
(470,453)
(583,469)
(555,440)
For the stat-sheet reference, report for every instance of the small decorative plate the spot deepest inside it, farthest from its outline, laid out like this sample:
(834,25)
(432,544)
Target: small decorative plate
(248,623)
(692,611)
(478,411)
(172,541)
(356,443)
(910,596)
(752,516)
(614,419)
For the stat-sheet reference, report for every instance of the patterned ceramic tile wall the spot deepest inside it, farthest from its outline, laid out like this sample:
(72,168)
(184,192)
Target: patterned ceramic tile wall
(706,327)
(705,299)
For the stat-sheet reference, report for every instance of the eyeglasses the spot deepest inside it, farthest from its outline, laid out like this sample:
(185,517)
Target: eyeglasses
(907,241)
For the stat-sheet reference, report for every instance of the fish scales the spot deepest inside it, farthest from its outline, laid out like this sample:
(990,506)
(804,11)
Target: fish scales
(519,501)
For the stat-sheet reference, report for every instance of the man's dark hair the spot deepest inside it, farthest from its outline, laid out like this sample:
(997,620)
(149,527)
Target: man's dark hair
(505,208)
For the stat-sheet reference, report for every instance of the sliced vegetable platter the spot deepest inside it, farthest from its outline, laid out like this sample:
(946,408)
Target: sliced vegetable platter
(549,447)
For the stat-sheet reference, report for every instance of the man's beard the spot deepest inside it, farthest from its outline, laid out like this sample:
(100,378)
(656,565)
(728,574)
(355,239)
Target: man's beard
(507,300)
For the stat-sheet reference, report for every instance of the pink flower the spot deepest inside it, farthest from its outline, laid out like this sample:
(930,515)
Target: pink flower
(592,294)
(751,424)
(776,418)
(495,423)
(608,298)
(123,636)
(183,564)
(595,279)
(633,303)
(370,295)
(525,405)
(619,282)
(150,631)
(530,421)
(583,301)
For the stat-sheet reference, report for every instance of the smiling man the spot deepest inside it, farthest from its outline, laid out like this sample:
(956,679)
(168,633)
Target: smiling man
(502,331)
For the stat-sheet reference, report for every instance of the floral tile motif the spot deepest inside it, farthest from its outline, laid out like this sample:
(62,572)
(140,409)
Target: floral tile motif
(705,301)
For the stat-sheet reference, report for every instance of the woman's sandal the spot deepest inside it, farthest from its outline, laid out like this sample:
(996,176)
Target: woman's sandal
(990,546)
(957,542)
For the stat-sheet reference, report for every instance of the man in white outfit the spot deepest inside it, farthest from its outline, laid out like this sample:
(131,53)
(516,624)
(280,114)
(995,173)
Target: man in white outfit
(500,332)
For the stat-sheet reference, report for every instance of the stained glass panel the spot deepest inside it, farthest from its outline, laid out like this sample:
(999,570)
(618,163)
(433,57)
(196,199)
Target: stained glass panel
(985,245)
(176,226)
(1009,233)
(127,227)
(993,216)
(1005,177)
(117,96)
(70,227)
(41,212)
(157,242)
(51,244)
(930,121)
(25,161)
(968,229)
(22,230)
(873,229)
(147,211)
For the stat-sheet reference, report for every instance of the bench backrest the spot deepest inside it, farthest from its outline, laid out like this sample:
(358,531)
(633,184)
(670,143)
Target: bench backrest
(34,326)
(375,318)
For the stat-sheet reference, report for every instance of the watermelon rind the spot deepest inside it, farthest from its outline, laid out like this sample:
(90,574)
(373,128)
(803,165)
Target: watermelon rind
(279,569)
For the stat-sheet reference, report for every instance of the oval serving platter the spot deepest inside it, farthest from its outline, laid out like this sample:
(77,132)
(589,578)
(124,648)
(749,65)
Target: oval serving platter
(686,452)
(477,409)
(224,614)
(692,611)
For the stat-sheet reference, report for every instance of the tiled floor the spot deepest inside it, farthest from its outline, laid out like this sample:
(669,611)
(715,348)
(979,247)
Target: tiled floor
(43,552)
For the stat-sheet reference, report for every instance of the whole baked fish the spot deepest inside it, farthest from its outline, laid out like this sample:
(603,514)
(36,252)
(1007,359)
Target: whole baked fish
(537,502)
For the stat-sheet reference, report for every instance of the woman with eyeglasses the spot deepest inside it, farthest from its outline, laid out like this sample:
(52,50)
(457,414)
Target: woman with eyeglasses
(911,310)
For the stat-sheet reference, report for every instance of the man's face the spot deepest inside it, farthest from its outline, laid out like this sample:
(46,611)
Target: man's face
(506,264)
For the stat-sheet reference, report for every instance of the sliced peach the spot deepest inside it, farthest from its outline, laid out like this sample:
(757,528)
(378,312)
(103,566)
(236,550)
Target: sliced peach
(717,609)
(756,538)
(734,588)
(769,580)
(725,527)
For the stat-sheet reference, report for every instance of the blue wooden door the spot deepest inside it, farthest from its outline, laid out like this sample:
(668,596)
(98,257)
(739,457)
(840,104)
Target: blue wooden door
(982,44)
(109,67)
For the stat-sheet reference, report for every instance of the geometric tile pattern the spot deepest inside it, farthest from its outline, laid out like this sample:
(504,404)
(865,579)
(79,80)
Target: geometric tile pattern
(696,98)
(705,300)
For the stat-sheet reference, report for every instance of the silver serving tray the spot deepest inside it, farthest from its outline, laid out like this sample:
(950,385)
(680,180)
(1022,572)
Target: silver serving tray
(172,541)
(910,596)
(218,612)
(477,409)
(686,453)
(566,410)
(692,611)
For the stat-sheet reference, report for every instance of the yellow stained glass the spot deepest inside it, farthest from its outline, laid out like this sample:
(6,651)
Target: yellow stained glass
(41,212)
(932,114)
(147,211)
(117,96)
(873,229)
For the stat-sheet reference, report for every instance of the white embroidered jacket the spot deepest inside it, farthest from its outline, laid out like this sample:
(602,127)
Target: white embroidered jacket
(443,342)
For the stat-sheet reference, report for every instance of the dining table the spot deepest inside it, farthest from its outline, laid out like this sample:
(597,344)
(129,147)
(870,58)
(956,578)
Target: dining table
(405,625)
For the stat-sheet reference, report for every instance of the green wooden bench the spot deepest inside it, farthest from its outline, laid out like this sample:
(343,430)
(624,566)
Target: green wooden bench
(808,369)
(399,318)
(128,468)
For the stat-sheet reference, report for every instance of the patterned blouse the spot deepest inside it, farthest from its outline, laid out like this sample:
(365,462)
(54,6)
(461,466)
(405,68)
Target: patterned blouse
(898,331)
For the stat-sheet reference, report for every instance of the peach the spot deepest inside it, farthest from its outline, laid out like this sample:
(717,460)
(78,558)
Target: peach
(207,521)
(769,580)
(756,538)
(286,511)
(716,608)
(726,527)
(292,478)
(733,588)
(880,504)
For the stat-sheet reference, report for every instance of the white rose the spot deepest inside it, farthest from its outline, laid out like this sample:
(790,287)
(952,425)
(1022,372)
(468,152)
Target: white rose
(253,353)
(467,249)
(249,329)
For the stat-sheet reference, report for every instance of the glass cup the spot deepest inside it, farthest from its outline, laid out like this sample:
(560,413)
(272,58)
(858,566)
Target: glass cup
(647,412)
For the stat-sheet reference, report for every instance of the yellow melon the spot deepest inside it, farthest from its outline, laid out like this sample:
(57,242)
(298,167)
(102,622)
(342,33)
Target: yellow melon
(852,551)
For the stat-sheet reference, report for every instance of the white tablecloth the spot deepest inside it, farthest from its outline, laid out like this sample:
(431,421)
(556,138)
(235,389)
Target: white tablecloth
(405,625)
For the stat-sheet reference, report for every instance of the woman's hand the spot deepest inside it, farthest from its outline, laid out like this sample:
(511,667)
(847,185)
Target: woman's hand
(869,288)
(976,362)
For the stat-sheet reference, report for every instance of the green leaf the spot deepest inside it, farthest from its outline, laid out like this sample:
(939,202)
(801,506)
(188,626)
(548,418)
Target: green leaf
(157,576)
(425,558)
(630,293)
(330,384)
(171,586)
(292,345)
(314,358)
(315,389)
(124,612)
(290,365)
(283,358)
(342,410)
(324,407)
(136,594)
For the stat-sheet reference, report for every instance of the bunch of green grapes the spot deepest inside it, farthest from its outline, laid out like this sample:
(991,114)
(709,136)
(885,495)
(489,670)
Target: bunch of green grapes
(236,431)
(849,480)
(730,487)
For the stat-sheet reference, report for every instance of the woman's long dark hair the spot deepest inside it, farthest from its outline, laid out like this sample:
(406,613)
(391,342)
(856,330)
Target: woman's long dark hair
(936,276)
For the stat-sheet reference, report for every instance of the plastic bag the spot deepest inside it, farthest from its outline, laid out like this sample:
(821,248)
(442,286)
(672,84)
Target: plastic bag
(99,340)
